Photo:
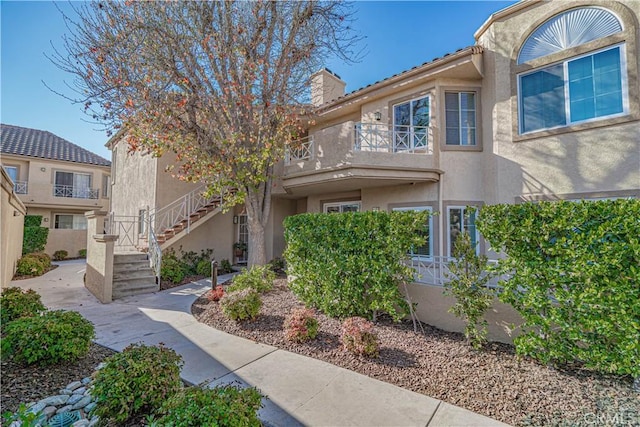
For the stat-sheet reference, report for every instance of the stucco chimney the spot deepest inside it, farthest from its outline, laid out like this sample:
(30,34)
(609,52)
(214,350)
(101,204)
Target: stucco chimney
(325,86)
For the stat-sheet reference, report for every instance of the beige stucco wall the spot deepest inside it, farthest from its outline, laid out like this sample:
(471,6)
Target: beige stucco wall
(280,209)
(217,233)
(69,240)
(12,212)
(169,187)
(133,180)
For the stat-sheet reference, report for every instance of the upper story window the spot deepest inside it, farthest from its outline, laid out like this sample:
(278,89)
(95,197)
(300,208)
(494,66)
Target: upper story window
(460,117)
(411,124)
(581,88)
(76,185)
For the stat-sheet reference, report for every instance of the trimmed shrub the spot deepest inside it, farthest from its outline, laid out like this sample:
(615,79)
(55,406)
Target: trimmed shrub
(216,294)
(242,304)
(82,253)
(191,261)
(35,236)
(136,382)
(301,325)
(225,267)
(16,303)
(468,279)
(359,337)
(30,266)
(44,258)
(573,276)
(204,268)
(221,406)
(351,264)
(54,336)
(172,269)
(60,255)
(259,278)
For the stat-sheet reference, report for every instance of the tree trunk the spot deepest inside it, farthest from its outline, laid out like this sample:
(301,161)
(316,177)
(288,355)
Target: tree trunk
(258,204)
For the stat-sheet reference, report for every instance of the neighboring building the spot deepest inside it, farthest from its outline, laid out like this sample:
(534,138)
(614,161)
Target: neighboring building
(56,179)
(545,106)
(11,228)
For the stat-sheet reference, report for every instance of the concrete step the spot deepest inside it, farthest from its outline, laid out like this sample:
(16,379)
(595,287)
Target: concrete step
(127,258)
(133,274)
(135,290)
(131,266)
(126,282)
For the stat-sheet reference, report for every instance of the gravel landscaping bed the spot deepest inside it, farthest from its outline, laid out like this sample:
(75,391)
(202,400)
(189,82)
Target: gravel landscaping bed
(493,382)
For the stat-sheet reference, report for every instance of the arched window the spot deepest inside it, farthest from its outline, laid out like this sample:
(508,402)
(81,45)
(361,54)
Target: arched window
(586,87)
(569,29)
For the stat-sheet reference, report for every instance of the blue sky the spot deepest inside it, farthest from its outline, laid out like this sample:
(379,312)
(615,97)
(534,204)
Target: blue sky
(398,36)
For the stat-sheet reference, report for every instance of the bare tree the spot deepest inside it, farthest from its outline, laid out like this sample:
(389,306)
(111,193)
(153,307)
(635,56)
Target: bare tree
(222,84)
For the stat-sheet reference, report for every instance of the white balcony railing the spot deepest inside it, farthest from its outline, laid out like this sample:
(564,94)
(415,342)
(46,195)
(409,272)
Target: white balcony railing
(396,139)
(21,187)
(75,192)
(301,149)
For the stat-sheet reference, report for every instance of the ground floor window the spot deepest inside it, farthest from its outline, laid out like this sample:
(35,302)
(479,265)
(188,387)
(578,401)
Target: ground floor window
(426,250)
(341,207)
(70,222)
(461,219)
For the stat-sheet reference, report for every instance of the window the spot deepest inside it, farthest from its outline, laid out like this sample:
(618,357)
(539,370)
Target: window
(106,184)
(12,171)
(77,185)
(70,222)
(425,251)
(410,124)
(460,117)
(576,90)
(461,220)
(341,207)
(142,221)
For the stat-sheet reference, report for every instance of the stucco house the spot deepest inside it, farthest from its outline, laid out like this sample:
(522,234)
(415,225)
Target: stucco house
(56,179)
(544,106)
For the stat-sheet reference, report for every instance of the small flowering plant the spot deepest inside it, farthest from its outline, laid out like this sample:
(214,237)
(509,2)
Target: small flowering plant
(359,337)
(216,293)
(301,325)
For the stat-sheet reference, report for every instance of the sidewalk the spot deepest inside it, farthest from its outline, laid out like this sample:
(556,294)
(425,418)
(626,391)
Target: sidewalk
(300,390)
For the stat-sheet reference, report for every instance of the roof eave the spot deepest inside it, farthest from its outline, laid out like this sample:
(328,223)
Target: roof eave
(503,13)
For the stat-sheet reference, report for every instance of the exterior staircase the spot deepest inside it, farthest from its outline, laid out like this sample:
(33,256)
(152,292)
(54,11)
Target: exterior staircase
(186,225)
(132,275)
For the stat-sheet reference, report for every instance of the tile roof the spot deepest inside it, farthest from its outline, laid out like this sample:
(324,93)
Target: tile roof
(45,145)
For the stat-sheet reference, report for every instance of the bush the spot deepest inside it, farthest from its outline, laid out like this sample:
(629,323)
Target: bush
(359,337)
(54,336)
(35,236)
(301,325)
(30,266)
(468,279)
(82,253)
(60,255)
(136,381)
(172,269)
(225,267)
(216,294)
(259,278)
(16,303)
(42,257)
(278,265)
(204,268)
(221,406)
(351,264)
(242,304)
(573,277)
(191,260)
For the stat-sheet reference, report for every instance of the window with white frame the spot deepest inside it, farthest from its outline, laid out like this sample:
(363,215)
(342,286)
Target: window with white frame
(583,88)
(70,222)
(460,118)
(461,219)
(411,124)
(425,251)
(106,184)
(341,207)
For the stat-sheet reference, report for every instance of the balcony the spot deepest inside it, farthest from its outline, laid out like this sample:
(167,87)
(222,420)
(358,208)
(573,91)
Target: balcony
(352,156)
(21,187)
(75,192)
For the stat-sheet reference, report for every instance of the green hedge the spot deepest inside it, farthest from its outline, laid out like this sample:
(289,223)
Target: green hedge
(575,279)
(351,264)
(35,237)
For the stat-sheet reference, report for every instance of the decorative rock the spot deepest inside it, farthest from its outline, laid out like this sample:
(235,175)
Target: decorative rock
(80,390)
(86,380)
(90,407)
(80,423)
(64,409)
(100,366)
(58,400)
(15,424)
(37,407)
(66,391)
(82,402)
(49,411)
(636,384)
(75,398)
(94,421)
(74,385)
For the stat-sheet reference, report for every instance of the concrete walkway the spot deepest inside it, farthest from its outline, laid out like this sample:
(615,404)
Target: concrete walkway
(300,390)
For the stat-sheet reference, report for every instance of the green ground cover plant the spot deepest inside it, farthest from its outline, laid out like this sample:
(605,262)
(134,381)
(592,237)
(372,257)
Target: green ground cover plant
(352,264)
(574,277)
